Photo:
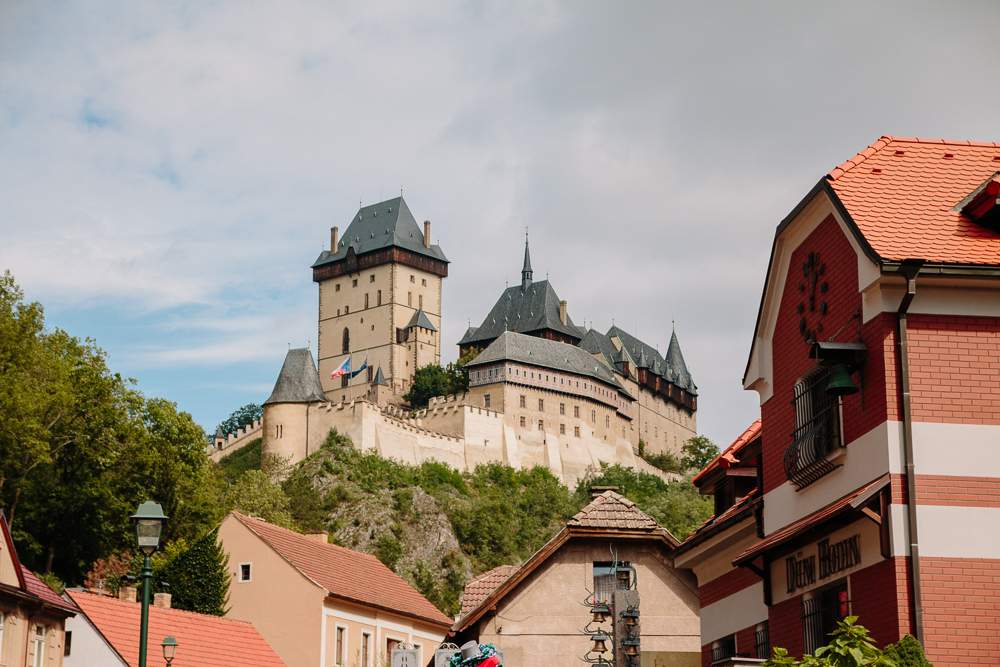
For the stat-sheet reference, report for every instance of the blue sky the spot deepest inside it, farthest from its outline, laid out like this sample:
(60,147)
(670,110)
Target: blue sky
(171,170)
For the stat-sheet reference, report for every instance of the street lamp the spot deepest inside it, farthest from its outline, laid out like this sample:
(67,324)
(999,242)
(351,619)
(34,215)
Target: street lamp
(148,520)
(169,649)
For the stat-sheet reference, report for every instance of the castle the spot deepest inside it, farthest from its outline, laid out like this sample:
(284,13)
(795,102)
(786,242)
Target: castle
(542,390)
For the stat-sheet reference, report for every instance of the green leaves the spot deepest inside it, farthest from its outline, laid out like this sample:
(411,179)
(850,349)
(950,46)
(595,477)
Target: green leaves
(697,453)
(850,646)
(432,380)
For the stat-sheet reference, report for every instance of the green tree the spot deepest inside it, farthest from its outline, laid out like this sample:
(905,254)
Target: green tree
(458,376)
(389,550)
(254,494)
(306,504)
(697,453)
(850,646)
(240,418)
(245,458)
(907,652)
(198,577)
(428,381)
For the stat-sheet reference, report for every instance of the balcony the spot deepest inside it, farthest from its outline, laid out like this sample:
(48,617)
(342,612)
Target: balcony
(817,434)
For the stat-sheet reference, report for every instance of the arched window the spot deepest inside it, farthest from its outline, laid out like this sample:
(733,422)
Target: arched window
(347,340)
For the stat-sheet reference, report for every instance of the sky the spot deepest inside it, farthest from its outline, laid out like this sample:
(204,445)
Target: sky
(169,171)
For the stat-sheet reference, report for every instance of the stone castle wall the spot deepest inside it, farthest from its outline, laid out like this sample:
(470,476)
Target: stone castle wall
(222,448)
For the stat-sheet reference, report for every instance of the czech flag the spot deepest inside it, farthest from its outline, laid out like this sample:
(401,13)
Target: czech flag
(363,367)
(342,369)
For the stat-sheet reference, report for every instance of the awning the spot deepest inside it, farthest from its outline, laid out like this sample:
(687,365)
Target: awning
(857,501)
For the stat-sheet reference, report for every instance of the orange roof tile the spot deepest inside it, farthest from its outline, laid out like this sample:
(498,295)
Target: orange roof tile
(477,588)
(37,587)
(203,641)
(347,574)
(610,510)
(903,195)
(730,454)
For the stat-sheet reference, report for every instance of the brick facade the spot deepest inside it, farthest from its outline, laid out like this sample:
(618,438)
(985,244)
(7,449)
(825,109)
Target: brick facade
(880,598)
(722,587)
(961,599)
(784,621)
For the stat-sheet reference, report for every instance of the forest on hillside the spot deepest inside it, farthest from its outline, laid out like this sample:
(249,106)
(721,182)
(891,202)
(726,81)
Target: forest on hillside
(81,447)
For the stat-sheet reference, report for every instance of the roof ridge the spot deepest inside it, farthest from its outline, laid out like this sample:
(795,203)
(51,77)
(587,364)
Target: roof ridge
(308,540)
(887,139)
(111,598)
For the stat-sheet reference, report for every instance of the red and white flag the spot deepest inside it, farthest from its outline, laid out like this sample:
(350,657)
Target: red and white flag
(342,369)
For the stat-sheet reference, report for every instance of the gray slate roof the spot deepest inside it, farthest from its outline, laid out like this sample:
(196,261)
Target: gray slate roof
(298,381)
(547,354)
(672,368)
(419,319)
(597,343)
(379,377)
(524,310)
(378,226)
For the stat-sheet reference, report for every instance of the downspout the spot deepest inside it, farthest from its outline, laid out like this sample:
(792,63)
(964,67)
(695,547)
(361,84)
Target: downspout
(910,268)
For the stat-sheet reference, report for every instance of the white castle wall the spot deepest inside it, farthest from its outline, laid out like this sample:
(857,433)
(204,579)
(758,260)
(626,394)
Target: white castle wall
(449,430)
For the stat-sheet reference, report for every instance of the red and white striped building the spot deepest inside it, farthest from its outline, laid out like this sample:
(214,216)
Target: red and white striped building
(884,503)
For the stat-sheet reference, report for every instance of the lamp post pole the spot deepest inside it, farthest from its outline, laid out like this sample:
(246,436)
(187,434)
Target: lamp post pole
(147,573)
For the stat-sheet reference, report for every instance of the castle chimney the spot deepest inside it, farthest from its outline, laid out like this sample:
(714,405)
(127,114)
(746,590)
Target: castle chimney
(318,535)
(562,312)
(333,240)
(427,233)
(126,593)
(161,600)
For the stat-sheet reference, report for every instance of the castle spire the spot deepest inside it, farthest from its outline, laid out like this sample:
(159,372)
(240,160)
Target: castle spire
(526,271)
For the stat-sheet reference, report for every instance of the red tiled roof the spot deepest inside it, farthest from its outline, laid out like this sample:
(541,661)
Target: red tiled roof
(203,641)
(477,588)
(729,455)
(610,510)
(742,504)
(37,587)
(792,530)
(903,196)
(345,573)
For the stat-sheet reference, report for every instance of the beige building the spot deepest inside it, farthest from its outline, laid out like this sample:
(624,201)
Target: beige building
(320,604)
(32,616)
(536,613)
(379,300)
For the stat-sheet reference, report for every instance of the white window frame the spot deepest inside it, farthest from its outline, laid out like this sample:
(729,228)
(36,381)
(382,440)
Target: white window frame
(388,638)
(366,659)
(3,620)
(40,646)
(342,658)
(239,573)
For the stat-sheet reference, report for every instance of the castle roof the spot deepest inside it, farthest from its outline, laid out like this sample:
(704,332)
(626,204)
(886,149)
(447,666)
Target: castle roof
(383,225)
(298,381)
(379,378)
(419,319)
(511,346)
(672,368)
(595,342)
(526,310)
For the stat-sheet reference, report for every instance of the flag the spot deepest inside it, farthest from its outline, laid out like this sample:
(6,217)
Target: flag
(342,369)
(363,367)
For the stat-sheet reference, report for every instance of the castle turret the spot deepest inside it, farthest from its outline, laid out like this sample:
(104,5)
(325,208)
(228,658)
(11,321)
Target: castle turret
(297,396)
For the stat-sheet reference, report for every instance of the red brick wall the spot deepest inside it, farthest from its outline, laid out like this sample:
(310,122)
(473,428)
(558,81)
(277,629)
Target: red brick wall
(724,586)
(954,369)
(784,622)
(791,353)
(746,643)
(880,598)
(947,490)
(961,599)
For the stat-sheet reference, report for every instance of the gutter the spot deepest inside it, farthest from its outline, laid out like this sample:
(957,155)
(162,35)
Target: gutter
(910,268)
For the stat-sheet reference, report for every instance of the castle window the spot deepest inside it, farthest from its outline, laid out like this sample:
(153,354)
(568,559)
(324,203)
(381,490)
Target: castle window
(378,298)
(522,420)
(347,340)
(347,310)
(338,312)
(607,421)
(541,424)
(562,408)
(413,279)
(576,411)
(344,380)
(354,283)
(576,431)
(409,298)
(541,405)
(370,375)
(336,288)
(371,278)
(366,299)
(423,281)
(277,431)
(522,400)
(486,400)
(562,429)
(593,416)
(420,301)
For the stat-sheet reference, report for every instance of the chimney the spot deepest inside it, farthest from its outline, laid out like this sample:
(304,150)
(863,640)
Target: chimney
(333,239)
(427,233)
(598,490)
(126,593)
(562,312)
(318,535)
(161,600)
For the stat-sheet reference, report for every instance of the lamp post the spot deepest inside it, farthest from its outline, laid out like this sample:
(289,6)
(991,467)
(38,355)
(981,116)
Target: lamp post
(148,520)
(169,649)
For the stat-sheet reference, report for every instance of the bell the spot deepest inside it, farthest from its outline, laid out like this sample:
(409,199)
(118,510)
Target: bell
(631,649)
(840,383)
(599,643)
(631,621)
(623,578)
(600,614)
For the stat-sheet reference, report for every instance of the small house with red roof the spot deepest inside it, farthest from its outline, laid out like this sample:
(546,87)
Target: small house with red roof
(876,357)
(536,612)
(32,616)
(107,634)
(321,604)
